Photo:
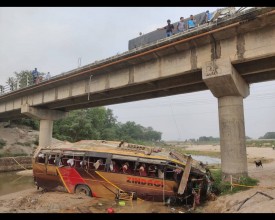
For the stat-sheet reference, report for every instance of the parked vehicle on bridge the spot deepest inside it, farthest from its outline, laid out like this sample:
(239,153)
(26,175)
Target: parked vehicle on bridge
(114,169)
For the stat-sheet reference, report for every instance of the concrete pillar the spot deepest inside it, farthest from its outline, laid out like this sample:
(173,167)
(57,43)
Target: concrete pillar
(46,117)
(230,89)
(45,134)
(232,136)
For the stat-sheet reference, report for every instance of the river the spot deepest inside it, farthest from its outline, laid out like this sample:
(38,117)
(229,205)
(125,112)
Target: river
(12,182)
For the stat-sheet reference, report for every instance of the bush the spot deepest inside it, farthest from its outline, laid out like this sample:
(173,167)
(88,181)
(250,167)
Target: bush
(222,187)
(2,143)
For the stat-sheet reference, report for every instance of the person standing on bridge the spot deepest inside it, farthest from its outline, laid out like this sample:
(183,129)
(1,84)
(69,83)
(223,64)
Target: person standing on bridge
(191,22)
(48,76)
(169,28)
(181,25)
(34,75)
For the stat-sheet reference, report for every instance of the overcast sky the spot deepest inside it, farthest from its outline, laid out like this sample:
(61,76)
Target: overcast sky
(53,40)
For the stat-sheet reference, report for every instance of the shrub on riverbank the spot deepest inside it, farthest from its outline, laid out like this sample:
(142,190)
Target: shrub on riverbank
(221,187)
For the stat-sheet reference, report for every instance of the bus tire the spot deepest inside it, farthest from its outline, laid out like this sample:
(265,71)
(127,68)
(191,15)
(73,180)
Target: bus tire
(83,189)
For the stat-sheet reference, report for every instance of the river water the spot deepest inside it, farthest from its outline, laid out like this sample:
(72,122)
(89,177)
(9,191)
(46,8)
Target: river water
(12,182)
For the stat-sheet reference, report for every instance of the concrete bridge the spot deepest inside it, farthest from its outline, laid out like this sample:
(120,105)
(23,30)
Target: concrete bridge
(224,57)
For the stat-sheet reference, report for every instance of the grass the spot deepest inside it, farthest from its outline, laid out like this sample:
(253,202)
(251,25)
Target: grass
(222,187)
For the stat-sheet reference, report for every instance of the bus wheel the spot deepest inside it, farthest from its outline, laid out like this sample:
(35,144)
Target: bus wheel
(83,189)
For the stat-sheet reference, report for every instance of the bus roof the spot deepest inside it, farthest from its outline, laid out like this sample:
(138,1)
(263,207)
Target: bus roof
(122,148)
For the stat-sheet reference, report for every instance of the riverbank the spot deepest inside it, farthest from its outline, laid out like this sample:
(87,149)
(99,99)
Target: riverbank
(8,164)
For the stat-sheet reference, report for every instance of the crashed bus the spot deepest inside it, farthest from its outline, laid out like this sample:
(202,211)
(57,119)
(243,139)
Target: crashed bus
(112,169)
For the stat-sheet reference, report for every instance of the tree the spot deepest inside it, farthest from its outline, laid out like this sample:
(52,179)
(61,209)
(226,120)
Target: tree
(2,89)
(23,78)
(97,123)
(12,83)
(268,135)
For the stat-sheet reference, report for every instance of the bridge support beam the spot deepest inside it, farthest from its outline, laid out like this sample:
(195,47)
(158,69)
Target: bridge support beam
(46,118)
(230,89)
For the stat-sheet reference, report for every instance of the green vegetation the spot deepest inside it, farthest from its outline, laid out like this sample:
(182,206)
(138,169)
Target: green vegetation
(268,135)
(2,143)
(222,188)
(20,80)
(260,143)
(97,123)
(33,123)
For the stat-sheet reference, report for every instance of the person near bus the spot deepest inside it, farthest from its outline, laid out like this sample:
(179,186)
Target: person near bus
(58,161)
(152,169)
(70,162)
(98,163)
(142,170)
(126,168)
(114,167)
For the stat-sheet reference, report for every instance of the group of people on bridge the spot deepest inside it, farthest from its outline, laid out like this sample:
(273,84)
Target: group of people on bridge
(182,26)
(38,77)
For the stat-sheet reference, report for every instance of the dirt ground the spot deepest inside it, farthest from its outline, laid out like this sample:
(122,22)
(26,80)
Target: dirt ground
(37,201)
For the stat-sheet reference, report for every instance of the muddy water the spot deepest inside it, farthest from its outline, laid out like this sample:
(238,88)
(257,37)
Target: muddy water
(12,182)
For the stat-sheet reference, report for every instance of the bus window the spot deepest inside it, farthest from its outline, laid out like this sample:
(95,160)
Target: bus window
(41,158)
(152,170)
(84,163)
(169,173)
(142,169)
(95,163)
(114,167)
(77,161)
(160,171)
(51,159)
